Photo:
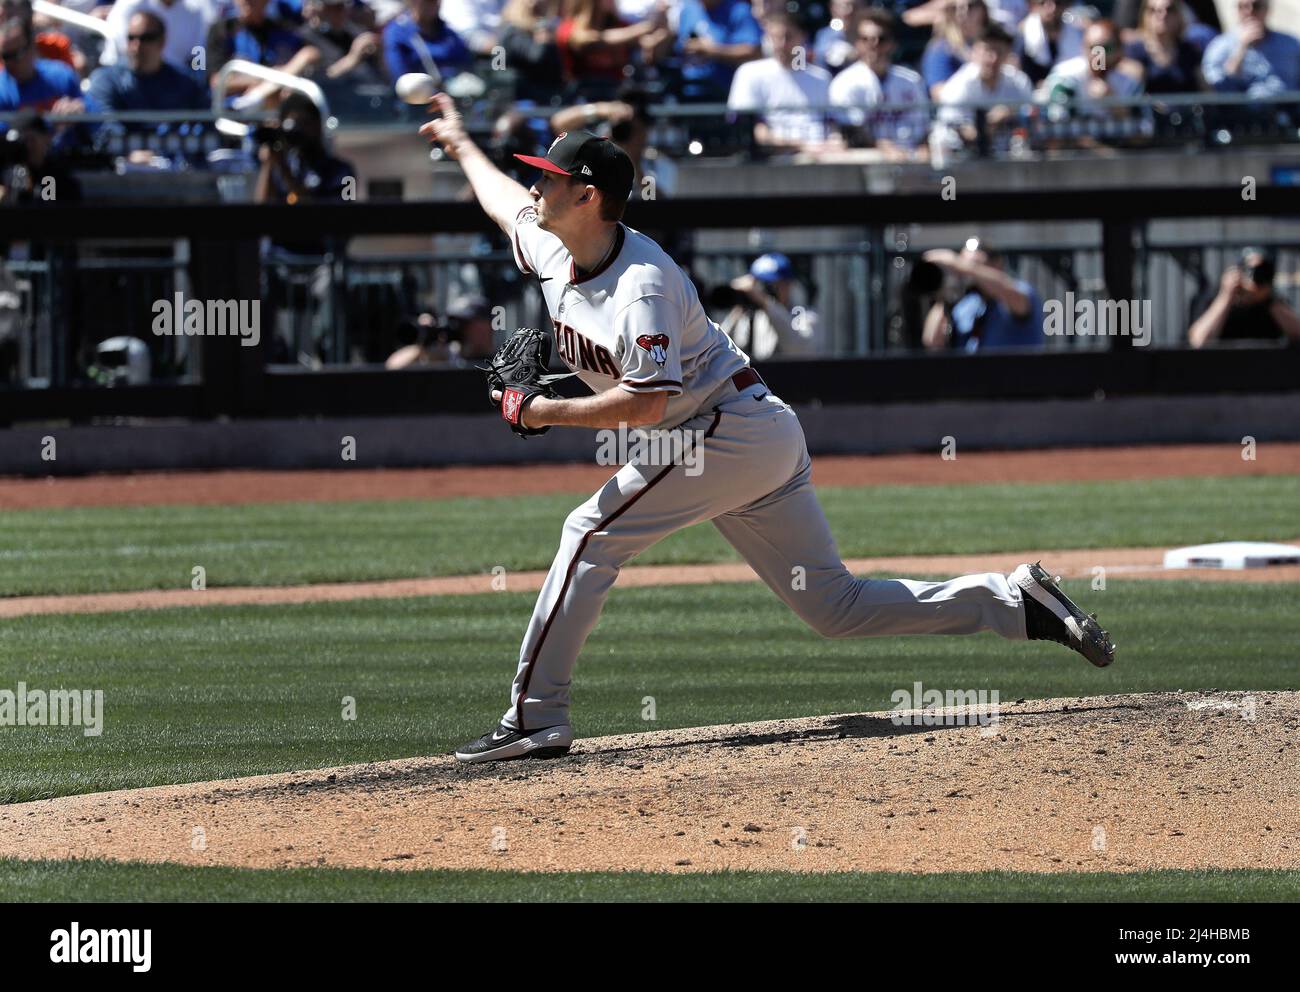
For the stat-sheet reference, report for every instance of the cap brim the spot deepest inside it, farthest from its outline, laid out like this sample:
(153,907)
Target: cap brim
(540,163)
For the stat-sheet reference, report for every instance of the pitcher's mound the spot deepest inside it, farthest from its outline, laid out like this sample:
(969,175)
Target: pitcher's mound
(1112,783)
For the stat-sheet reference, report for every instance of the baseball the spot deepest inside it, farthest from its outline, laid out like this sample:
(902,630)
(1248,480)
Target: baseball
(415,88)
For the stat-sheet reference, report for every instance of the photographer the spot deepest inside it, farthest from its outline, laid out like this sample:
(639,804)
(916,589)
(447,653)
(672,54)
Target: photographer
(29,171)
(1245,307)
(459,340)
(297,168)
(993,309)
(764,320)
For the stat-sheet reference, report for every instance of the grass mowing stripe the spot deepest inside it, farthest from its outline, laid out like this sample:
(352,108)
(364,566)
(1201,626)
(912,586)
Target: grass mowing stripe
(199,694)
(104,549)
(105,881)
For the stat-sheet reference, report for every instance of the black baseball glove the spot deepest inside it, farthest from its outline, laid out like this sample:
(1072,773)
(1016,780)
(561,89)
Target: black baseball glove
(518,371)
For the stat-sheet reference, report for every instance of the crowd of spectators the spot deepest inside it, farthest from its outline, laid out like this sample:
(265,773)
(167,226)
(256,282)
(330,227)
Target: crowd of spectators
(814,73)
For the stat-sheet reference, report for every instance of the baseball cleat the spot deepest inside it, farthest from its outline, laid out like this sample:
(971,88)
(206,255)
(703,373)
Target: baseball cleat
(1050,615)
(504,743)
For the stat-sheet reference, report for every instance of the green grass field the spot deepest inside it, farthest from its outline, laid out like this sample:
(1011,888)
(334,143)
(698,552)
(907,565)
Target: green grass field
(198,694)
(124,548)
(104,881)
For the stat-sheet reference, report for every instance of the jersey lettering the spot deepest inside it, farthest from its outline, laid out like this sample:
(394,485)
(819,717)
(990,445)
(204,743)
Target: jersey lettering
(581,353)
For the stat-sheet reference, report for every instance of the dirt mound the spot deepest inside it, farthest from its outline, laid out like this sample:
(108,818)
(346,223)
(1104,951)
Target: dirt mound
(1113,783)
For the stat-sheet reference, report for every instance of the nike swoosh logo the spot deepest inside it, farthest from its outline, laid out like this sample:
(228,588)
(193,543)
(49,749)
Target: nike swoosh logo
(545,278)
(498,736)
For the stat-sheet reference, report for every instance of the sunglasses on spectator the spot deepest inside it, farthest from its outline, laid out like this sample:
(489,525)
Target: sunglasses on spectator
(870,38)
(13,54)
(147,36)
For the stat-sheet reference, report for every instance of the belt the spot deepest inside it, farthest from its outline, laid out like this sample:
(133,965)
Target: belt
(745,378)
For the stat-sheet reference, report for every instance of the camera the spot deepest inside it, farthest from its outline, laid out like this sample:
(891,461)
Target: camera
(1261,273)
(279,138)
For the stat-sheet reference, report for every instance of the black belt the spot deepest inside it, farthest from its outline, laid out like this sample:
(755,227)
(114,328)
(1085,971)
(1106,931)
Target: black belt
(745,378)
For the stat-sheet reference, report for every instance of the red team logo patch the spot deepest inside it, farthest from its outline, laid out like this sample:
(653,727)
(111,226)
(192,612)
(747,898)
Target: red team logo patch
(511,403)
(657,345)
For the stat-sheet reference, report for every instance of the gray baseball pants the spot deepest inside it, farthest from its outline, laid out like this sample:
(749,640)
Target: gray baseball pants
(754,483)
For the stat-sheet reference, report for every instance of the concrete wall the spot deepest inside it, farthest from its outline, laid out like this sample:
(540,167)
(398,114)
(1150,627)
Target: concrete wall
(482,439)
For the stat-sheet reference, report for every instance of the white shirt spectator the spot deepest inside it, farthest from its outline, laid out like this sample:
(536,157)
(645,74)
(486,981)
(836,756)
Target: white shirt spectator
(765,83)
(187,23)
(1012,86)
(1069,43)
(857,89)
(476,21)
(965,86)
(635,11)
(386,10)
(1072,76)
(1008,13)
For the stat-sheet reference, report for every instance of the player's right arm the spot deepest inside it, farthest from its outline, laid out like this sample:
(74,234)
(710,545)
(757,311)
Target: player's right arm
(500,196)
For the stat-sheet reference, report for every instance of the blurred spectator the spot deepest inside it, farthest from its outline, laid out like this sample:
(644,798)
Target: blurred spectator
(347,49)
(987,77)
(872,80)
(1200,17)
(29,81)
(1245,308)
(419,41)
(1253,59)
(50,42)
(145,81)
(1095,75)
(626,122)
(1044,39)
(713,38)
(993,309)
(254,36)
(30,171)
(528,39)
(833,45)
(955,34)
(477,22)
(187,23)
(1170,63)
(596,45)
(765,319)
(1008,13)
(777,87)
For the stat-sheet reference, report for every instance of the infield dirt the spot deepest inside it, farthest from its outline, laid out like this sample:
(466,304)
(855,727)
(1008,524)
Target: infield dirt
(1110,783)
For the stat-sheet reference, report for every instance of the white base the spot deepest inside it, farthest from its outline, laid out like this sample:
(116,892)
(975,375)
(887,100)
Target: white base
(1233,554)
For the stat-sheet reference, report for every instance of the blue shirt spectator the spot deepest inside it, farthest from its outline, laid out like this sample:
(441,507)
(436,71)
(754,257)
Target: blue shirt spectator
(705,23)
(29,81)
(939,62)
(1252,59)
(143,80)
(118,88)
(51,81)
(269,43)
(411,42)
(980,323)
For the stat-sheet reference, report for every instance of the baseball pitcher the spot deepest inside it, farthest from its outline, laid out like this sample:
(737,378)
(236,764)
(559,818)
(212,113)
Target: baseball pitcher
(629,323)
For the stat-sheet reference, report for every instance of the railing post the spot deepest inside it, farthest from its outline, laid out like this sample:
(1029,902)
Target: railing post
(1118,261)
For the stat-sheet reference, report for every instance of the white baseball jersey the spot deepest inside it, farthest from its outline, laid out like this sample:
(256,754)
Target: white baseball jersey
(635,323)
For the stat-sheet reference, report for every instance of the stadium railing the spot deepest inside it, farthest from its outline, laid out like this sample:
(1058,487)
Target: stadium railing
(211,253)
